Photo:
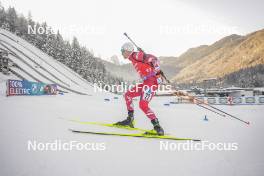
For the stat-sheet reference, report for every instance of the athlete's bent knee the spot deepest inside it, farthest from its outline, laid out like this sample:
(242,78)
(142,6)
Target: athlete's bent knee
(143,105)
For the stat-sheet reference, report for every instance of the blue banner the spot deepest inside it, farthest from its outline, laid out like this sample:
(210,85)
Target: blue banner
(24,87)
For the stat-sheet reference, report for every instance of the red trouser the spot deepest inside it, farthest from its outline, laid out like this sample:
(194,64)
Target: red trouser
(146,91)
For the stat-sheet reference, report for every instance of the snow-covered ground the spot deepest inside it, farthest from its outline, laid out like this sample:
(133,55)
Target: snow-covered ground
(44,119)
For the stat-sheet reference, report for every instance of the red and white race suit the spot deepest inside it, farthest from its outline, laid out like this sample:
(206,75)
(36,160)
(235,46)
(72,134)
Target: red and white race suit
(148,68)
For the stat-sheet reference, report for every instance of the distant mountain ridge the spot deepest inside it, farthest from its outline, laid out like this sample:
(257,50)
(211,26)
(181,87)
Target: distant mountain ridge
(223,57)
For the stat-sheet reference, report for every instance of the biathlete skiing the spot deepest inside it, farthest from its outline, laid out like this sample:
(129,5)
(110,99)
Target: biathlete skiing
(148,68)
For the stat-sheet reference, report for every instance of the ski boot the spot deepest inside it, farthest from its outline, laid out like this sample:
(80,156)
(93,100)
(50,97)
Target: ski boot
(127,122)
(159,130)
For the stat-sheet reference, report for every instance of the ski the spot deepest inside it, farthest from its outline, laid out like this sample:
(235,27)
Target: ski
(110,125)
(139,135)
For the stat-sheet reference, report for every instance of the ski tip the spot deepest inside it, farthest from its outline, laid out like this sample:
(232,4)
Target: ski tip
(72,130)
(248,123)
(196,140)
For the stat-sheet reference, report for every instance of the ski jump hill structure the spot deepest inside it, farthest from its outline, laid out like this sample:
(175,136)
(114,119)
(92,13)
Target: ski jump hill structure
(32,64)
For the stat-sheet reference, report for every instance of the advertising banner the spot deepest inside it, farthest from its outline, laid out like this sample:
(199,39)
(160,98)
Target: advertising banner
(24,87)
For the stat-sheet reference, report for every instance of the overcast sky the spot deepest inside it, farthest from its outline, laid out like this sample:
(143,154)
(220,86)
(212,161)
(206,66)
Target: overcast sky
(160,27)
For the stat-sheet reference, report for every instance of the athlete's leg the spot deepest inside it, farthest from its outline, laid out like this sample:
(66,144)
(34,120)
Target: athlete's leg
(147,93)
(130,94)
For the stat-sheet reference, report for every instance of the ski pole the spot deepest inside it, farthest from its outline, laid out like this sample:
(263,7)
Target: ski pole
(163,75)
(199,101)
(211,110)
